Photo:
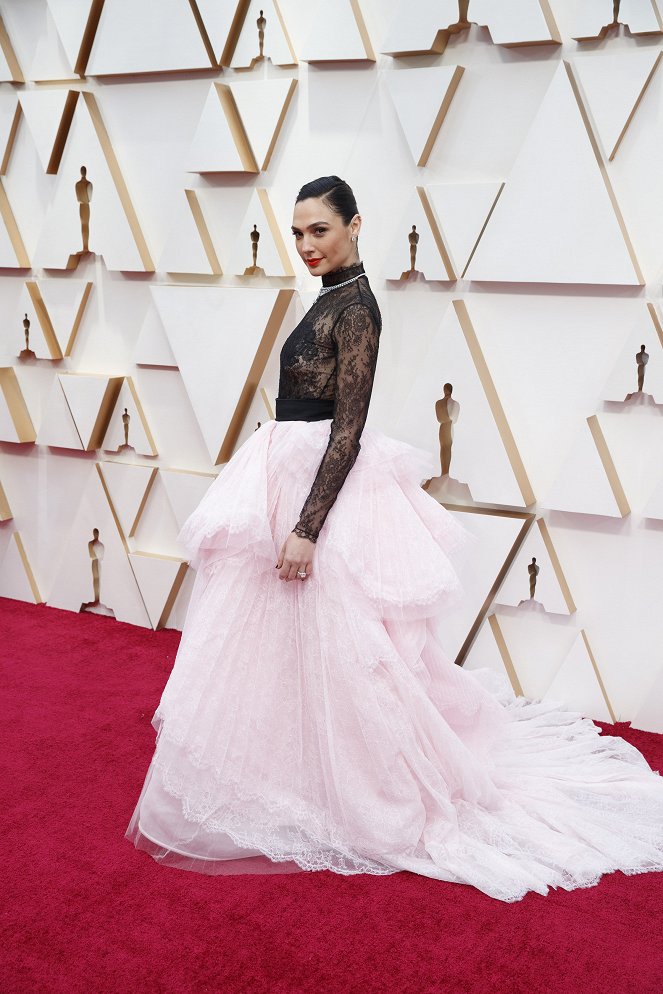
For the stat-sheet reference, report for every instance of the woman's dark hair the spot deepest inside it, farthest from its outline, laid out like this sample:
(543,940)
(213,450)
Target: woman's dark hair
(336,194)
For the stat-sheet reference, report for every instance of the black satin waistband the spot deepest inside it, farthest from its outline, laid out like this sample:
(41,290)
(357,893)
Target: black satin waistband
(303,409)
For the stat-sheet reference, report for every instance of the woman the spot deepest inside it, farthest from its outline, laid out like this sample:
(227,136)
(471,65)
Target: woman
(312,720)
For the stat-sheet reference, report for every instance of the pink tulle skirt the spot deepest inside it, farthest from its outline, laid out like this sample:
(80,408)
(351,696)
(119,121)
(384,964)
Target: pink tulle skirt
(318,724)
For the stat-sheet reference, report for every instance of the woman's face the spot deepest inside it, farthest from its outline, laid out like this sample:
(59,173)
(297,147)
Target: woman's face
(322,239)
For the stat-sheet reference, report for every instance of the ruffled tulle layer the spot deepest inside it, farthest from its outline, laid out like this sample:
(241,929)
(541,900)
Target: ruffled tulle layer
(320,725)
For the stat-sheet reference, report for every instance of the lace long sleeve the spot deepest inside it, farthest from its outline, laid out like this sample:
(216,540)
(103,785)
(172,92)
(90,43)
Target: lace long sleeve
(357,336)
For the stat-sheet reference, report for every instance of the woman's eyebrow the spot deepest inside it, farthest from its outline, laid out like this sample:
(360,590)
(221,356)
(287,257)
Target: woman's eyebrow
(314,225)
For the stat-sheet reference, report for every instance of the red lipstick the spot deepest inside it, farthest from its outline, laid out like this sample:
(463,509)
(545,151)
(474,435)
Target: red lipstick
(313,262)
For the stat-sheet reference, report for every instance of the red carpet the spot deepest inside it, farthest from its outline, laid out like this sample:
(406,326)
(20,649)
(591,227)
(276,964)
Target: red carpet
(84,913)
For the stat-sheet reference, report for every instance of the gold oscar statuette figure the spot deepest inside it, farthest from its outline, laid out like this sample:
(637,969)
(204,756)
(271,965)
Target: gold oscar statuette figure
(84,196)
(27,352)
(261,23)
(254,269)
(641,358)
(446,411)
(126,418)
(533,571)
(413,239)
(96,550)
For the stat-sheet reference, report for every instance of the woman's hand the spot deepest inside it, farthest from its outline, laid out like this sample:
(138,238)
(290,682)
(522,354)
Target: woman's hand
(296,555)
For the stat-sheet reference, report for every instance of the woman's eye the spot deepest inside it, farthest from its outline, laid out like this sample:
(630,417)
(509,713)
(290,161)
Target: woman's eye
(320,231)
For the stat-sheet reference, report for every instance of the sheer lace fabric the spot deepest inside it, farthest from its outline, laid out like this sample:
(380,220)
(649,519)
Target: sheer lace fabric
(332,354)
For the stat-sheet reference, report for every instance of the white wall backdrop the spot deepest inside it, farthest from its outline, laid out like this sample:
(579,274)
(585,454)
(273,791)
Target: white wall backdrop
(525,145)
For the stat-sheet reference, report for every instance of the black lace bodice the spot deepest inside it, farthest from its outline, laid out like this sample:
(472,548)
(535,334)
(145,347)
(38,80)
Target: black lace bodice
(332,355)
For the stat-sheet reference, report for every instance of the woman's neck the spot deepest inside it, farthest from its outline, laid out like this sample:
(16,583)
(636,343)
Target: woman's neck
(336,276)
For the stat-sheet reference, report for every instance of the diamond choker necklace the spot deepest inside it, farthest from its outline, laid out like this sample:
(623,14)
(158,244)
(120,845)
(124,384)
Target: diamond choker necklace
(328,289)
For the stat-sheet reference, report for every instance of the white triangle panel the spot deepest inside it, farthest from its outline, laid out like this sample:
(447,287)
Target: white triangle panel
(262,106)
(414,25)
(156,576)
(214,148)
(201,324)
(217,19)
(478,456)
(428,260)
(184,251)
(555,222)
(57,426)
(576,685)
(518,22)
(110,231)
(16,579)
(623,379)
(495,535)
(273,255)
(146,37)
(582,485)
(339,38)
(516,587)
(613,85)
(185,491)
(128,485)
(277,45)
(85,394)
(73,584)
(462,210)
(140,437)
(43,110)
(152,346)
(71,20)
(420,97)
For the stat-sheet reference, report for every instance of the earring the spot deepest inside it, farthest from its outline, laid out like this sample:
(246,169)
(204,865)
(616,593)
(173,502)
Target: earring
(353,238)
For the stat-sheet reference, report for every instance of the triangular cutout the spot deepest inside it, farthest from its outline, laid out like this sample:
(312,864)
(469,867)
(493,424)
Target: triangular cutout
(418,251)
(637,371)
(265,255)
(490,477)
(128,425)
(114,231)
(537,566)
(259,33)
(97,568)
